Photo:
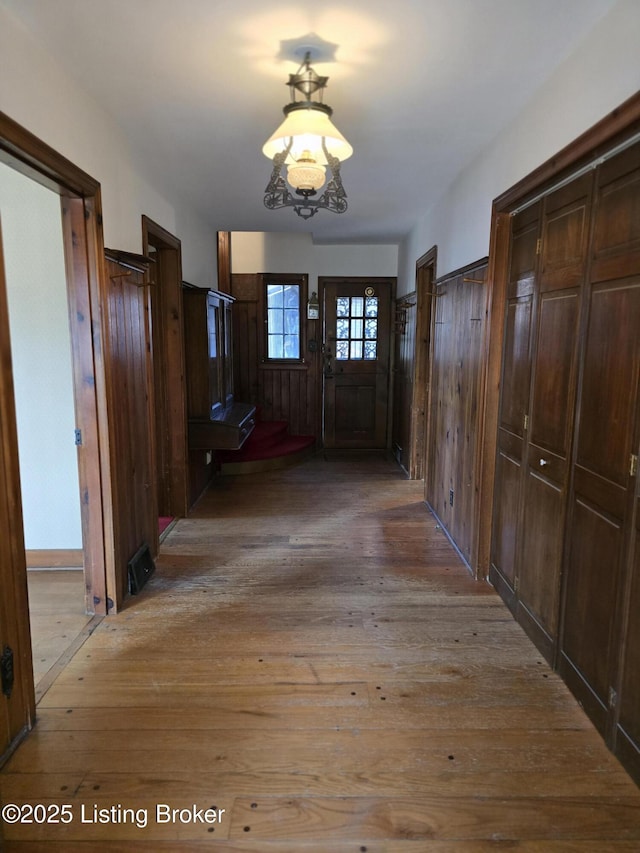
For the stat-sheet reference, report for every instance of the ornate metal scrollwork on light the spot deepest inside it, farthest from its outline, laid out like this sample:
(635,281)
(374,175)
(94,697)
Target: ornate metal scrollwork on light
(307,142)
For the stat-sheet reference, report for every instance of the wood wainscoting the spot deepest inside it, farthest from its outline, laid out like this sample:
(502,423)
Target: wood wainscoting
(453,451)
(283,392)
(132,413)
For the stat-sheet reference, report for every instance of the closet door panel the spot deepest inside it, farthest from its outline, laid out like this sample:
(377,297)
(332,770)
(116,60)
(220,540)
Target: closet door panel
(542,539)
(564,249)
(616,239)
(592,583)
(611,366)
(628,735)
(511,435)
(599,501)
(554,378)
(508,473)
(514,398)
(565,235)
(547,466)
(515,375)
(600,504)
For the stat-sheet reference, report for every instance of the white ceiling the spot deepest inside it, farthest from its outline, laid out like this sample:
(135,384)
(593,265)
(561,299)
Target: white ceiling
(418,87)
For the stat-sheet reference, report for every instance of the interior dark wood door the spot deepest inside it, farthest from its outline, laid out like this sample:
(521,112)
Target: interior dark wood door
(564,244)
(357,332)
(601,500)
(17,705)
(514,399)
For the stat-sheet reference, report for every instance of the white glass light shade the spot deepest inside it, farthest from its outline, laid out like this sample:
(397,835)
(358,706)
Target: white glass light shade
(306,175)
(307,127)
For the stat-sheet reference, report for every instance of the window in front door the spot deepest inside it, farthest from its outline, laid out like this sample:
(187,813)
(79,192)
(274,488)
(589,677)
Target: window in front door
(356,328)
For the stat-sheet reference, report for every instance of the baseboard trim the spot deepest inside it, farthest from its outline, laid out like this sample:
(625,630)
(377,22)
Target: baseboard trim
(55,559)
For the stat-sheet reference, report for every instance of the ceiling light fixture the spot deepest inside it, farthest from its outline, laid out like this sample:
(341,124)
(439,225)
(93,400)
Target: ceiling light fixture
(307,142)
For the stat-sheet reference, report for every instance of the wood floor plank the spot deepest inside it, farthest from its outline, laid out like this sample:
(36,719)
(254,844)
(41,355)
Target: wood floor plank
(438,818)
(298,846)
(241,715)
(312,657)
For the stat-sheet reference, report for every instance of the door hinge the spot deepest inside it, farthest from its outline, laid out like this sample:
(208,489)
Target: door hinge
(633,467)
(516,584)
(78,437)
(525,423)
(538,245)
(6,671)
(613,698)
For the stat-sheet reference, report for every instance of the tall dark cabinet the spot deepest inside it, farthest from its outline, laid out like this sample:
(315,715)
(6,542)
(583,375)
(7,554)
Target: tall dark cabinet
(216,420)
(565,550)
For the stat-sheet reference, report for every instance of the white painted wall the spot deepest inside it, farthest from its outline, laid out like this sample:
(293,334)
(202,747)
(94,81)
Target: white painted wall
(37,93)
(602,73)
(256,251)
(31,225)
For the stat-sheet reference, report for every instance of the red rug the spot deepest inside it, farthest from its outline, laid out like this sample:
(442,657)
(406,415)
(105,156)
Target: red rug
(269,440)
(163,522)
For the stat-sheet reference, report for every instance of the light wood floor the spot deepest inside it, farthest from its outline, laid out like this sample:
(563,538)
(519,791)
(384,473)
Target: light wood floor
(312,658)
(58,622)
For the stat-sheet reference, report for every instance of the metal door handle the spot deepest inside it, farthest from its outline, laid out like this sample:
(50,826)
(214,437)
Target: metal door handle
(543,462)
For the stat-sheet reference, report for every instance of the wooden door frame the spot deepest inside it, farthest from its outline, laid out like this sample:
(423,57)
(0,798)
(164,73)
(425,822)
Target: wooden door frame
(168,288)
(426,267)
(83,245)
(613,129)
(18,710)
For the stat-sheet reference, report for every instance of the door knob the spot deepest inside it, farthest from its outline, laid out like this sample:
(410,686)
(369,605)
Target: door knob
(543,462)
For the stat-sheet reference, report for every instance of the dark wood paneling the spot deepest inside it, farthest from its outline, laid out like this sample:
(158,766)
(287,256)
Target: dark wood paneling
(128,340)
(281,392)
(451,482)
(405,354)
(170,437)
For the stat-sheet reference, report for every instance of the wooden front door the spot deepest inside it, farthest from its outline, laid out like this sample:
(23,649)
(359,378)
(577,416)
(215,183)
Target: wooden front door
(357,332)
(17,698)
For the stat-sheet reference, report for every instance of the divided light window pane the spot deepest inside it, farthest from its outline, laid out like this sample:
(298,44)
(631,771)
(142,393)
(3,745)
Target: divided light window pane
(356,328)
(283,321)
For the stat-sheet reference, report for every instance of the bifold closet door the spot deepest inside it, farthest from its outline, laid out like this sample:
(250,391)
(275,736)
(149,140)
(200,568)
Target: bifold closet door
(596,595)
(563,255)
(627,737)
(514,400)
